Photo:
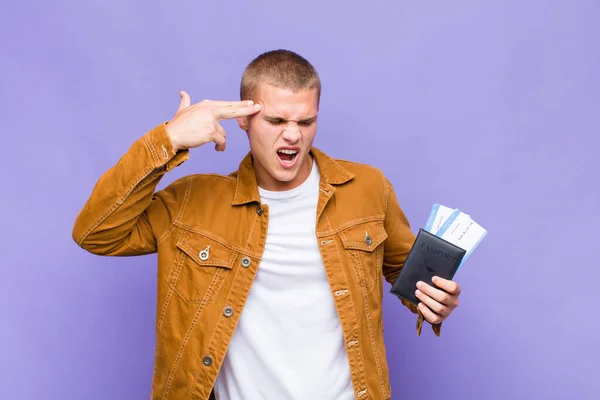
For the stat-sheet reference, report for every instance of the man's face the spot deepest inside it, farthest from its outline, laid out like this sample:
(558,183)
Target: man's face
(281,135)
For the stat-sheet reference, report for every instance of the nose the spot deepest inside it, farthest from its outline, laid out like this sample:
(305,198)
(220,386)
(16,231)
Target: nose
(291,133)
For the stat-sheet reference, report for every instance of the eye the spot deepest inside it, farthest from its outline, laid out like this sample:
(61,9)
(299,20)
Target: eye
(305,123)
(276,121)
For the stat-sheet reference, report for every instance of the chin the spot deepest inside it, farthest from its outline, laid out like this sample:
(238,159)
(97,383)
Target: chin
(284,176)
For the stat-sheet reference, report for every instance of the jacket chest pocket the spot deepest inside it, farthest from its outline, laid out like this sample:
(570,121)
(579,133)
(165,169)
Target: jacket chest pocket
(364,246)
(201,266)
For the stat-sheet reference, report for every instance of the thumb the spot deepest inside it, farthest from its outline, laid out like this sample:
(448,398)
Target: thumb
(185,101)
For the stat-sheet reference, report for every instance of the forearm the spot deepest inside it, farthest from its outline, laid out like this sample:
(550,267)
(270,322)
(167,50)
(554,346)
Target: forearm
(397,246)
(116,219)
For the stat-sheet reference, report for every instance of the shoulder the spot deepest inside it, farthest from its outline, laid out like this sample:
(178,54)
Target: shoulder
(363,173)
(204,183)
(368,182)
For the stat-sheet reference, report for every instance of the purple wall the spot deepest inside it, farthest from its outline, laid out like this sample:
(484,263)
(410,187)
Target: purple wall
(493,107)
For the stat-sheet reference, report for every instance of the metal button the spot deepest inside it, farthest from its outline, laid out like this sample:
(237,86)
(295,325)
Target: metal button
(204,254)
(207,361)
(228,311)
(259,210)
(368,240)
(246,262)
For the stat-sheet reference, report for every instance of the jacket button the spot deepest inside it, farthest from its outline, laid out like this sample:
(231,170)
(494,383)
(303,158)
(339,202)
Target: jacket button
(228,312)
(246,262)
(204,254)
(207,361)
(259,210)
(368,240)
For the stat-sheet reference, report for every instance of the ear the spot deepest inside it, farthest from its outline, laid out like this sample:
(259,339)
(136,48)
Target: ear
(243,123)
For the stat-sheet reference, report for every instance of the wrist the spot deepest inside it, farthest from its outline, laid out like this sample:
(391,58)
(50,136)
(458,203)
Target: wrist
(173,138)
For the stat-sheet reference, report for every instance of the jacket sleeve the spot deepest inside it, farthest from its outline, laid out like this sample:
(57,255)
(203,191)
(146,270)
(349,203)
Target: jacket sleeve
(397,246)
(124,216)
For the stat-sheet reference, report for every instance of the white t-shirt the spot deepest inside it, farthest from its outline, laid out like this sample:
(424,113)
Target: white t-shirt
(289,343)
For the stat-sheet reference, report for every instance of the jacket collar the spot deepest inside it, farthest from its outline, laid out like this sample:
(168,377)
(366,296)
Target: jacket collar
(247,186)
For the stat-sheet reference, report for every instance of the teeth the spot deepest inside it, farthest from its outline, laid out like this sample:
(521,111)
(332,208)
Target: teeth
(285,151)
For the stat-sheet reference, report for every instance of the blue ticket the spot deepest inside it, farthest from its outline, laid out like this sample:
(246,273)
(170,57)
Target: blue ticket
(461,230)
(438,216)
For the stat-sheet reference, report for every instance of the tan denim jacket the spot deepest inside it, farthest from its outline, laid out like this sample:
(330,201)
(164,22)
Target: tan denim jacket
(210,230)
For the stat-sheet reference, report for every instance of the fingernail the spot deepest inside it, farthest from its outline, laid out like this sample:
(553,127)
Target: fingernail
(257,106)
(418,293)
(419,284)
(434,279)
(250,102)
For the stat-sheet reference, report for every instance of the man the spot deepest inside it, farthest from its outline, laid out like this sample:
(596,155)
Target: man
(269,279)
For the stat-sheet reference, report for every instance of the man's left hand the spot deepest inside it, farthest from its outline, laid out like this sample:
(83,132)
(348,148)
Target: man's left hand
(437,303)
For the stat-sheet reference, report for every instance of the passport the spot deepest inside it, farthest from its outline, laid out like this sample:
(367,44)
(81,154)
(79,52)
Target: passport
(440,248)
(429,256)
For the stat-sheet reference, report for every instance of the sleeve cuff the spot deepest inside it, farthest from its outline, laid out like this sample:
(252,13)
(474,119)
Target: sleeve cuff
(162,150)
(420,319)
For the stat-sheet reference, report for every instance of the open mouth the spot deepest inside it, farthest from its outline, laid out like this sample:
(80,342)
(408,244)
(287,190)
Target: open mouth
(287,156)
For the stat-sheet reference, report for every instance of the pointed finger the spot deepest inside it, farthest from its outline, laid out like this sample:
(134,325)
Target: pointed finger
(236,111)
(221,103)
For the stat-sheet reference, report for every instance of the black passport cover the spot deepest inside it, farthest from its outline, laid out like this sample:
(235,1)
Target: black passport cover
(429,256)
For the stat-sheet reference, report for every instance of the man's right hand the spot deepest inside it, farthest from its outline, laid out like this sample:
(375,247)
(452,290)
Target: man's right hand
(195,125)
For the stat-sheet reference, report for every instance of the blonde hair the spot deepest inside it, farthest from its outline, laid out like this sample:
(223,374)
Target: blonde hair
(281,68)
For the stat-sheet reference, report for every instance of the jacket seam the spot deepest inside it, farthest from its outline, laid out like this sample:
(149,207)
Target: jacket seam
(168,297)
(370,325)
(363,377)
(218,239)
(120,200)
(188,335)
(352,224)
(171,228)
(164,308)
(251,232)
(152,149)
(229,178)
(210,341)
(235,276)
(386,193)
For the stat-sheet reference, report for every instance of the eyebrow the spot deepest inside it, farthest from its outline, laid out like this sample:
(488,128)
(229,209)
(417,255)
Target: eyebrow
(304,120)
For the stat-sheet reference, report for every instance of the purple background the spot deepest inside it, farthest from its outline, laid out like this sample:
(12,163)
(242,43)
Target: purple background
(493,107)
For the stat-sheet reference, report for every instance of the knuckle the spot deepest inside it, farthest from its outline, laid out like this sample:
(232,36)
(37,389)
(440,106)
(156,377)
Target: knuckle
(439,309)
(446,299)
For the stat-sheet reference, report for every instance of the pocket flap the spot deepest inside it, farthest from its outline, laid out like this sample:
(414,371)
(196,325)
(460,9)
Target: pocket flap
(364,236)
(206,251)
